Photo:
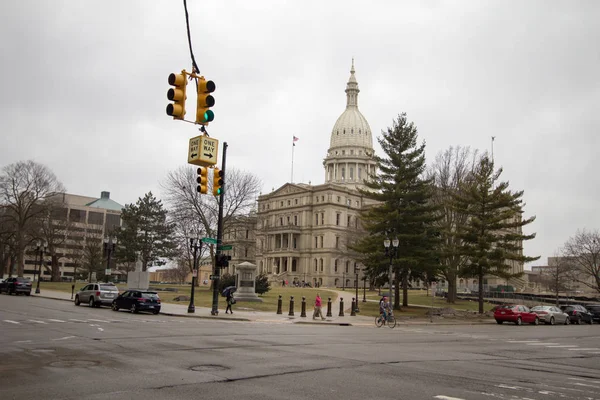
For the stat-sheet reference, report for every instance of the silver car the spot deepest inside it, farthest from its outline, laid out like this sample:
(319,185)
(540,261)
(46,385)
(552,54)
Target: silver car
(97,294)
(551,315)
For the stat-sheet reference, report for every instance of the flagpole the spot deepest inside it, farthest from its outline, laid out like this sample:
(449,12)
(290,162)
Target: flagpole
(293,147)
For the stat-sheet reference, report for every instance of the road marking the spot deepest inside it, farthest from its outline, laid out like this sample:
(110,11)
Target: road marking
(98,320)
(23,341)
(542,344)
(55,320)
(12,322)
(584,379)
(588,349)
(37,322)
(586,385)
(65,338)
(441,397)
(564,346)
(77,320)
(101,330)
(523,341)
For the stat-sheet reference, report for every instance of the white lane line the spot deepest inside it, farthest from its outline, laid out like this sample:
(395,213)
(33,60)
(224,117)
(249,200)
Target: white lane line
(98,320)
(65,338)
(101,330)
(55,320)
(12,322)
(586,385)
(37,322)
(441,397)
(584,380)
(587,349)
(542,344)
(523,341)
(77,320)
(23,341)
(564,346)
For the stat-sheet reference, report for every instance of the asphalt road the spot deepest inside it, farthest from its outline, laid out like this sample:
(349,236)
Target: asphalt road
(51,349)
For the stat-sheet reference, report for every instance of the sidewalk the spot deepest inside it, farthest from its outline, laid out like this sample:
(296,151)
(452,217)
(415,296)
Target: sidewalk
(180,310)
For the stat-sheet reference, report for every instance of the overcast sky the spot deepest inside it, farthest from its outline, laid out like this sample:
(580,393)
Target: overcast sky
(84,90)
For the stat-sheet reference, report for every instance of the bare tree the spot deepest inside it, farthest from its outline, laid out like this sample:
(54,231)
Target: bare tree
(582,251)
(91,254)
(178,273)
(24,188)
(55,228)
(451,169)
(559,271)
(186,204)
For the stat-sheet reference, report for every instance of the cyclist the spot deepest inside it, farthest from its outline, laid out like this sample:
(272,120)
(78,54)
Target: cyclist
(383,308)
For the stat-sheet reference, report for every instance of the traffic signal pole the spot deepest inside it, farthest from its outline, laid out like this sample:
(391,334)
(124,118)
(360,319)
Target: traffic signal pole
(217,266)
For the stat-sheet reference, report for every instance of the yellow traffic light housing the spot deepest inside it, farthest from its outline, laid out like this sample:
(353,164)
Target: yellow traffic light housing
(177,95)
(202,180)
(205,101)
(217,182)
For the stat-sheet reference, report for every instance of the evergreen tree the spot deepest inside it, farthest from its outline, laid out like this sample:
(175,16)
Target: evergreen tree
(146,232)
(261,283)
(493,232)
(403,208)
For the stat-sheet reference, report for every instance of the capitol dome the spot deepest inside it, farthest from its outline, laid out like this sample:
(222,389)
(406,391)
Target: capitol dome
(349,160)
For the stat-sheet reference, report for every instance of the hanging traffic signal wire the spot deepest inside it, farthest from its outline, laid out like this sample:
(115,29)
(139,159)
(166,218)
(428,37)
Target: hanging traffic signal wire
(187,23)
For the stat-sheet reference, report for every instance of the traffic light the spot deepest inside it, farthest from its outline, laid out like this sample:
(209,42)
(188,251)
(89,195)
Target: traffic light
(205,101)
(177,96)
(223,260)
(202,180)
(217,182)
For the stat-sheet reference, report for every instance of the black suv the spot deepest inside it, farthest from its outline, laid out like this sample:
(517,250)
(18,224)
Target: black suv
(578,314)
(16,285)
(595,310)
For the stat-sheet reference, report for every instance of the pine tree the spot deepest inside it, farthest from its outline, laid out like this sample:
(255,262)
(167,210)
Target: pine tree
(403,209)
(147,232)
(493,232)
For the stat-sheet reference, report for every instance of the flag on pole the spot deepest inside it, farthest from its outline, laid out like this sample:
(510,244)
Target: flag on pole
(295,140)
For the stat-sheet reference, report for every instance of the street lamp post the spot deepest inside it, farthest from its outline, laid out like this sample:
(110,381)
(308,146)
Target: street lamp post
(391,252)
(41,250)
(364,289)
(356,289)
(110,244)
(195,245)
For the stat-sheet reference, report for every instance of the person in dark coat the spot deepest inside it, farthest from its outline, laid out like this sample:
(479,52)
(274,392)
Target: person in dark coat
(229,302)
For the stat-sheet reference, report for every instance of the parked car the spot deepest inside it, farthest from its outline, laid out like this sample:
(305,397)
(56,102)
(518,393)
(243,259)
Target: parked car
(519,314)
(578,314)
(551,315)
(137,300)
(16,285)
(595,310)
(97,294)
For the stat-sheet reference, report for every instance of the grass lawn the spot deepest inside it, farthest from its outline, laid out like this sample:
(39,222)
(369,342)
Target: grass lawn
(420,297)
(203,296)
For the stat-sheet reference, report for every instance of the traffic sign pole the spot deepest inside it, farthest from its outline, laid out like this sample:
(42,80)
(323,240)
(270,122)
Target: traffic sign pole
(217,270)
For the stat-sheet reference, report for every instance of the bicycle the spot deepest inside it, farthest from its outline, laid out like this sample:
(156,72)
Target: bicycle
(390,320)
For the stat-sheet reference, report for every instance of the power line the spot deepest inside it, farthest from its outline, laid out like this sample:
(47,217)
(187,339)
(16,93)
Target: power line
(187,23)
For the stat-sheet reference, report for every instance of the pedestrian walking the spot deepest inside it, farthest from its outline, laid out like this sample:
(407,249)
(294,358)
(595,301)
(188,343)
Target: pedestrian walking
(318,312)
(230,301)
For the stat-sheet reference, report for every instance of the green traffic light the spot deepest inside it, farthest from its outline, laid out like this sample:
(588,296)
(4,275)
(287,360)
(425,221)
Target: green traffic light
(209,116)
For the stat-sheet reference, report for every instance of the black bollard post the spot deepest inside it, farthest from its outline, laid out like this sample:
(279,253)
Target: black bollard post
(72,290)
(291,313)
(329,308)
(303,312)
(279,304)
(353,310)
(341,314)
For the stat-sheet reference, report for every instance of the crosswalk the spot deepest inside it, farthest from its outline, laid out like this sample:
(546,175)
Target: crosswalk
(48,321)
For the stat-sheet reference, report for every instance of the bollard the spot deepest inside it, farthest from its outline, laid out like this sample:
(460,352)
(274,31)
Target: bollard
(279,304)
(329,308)
(303,312)
(291,313)
(341,307)
(353,309)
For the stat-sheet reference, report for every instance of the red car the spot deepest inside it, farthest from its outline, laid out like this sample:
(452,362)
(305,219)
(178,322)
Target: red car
(518,314)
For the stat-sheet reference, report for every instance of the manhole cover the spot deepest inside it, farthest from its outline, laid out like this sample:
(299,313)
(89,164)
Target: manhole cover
(208,367)
(73,363)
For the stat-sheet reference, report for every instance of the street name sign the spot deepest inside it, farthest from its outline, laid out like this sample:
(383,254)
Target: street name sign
(209,240)
(225,247)
(203,150)
(213,277)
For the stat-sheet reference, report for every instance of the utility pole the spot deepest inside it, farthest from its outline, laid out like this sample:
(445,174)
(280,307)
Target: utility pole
(217,267)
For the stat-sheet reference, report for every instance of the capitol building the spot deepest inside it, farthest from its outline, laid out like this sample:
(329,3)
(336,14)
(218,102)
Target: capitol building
(301,230)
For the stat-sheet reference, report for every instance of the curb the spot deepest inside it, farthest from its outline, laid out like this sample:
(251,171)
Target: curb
(191,315)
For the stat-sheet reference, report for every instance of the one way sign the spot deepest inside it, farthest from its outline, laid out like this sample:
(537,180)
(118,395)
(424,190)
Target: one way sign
(203,151)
